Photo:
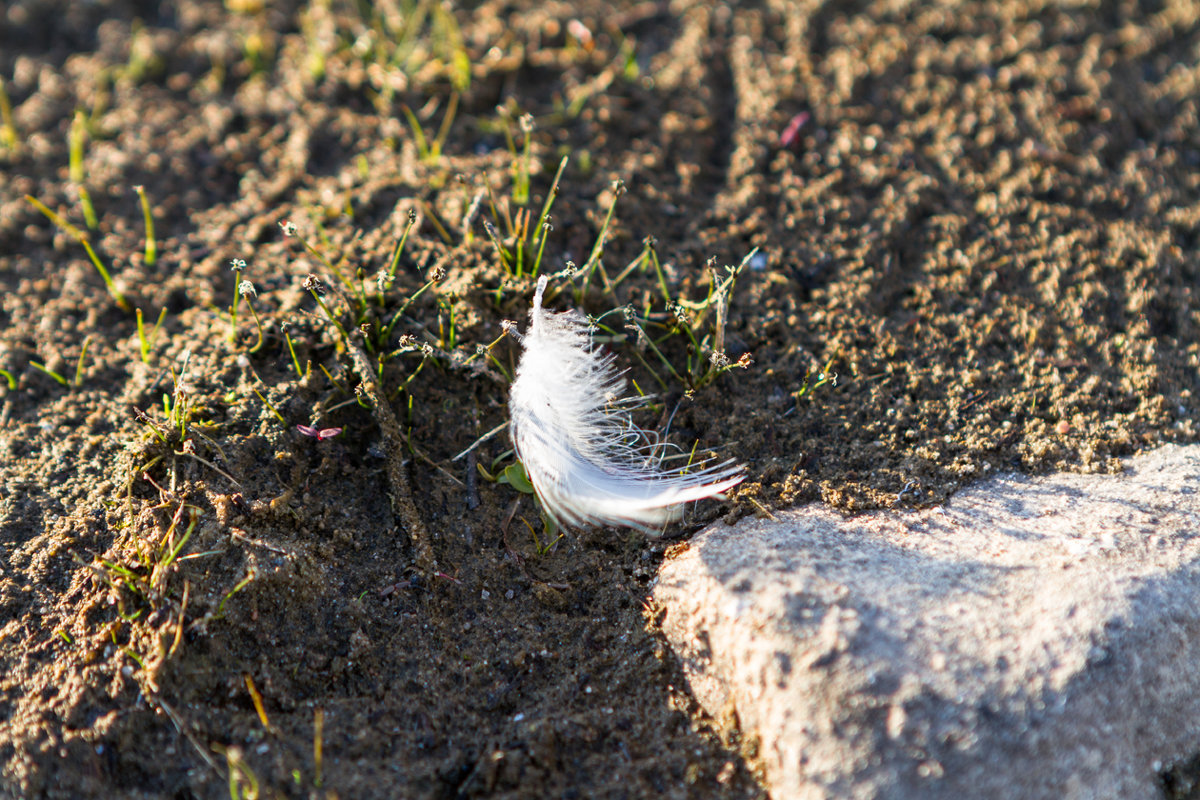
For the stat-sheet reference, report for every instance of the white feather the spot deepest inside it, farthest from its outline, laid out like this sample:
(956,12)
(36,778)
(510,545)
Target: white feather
(587,460)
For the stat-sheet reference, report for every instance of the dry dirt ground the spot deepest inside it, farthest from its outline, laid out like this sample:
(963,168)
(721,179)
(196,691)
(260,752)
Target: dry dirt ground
(982,217)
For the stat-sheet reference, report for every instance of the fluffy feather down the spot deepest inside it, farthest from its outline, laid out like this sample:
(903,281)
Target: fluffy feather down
(587,461)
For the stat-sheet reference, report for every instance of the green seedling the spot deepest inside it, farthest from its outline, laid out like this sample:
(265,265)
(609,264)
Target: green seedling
(437,276)
(58,377)
(151,242)
(238,266)
(243,783)
(170,548)
(143,61)
(87,340)
(815,379)
(522,231)
(10,378)
(318,745)
(514,475)
(520,167)
(270,406)
(242,584)
(77,138)
(447,325)
(594,261)
(447,38)
(399,250)
(129,651)
(247,291)
(316,288)
(301,374)
(431,151)
(706,358)
(8,131)
(146,341)
(43,368)
(82,238)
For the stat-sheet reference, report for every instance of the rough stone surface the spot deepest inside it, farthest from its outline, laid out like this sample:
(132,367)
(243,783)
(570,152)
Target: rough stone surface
(1033,638)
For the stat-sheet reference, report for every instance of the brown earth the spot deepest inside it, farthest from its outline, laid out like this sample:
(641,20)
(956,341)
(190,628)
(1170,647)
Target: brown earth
(986,226)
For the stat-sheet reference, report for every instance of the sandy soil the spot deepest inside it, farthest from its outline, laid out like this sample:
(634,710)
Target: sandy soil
(981,218)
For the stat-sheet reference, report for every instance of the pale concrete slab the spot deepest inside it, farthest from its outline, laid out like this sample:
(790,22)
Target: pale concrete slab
(1034,638)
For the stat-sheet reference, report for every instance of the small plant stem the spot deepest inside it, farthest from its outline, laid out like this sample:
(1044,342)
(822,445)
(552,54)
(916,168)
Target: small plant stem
(147,342)
(387,331)
(78,136)
(505,256)
(520,193)
(496,212)
(61,223)
(233,308)
(258,325)
(412,221)
(551,196)
(418,134)
(12,380)
(632,265)
(437,223)
(650,343)
(448,333)
(40,366)
(537,262)
(444,131)
(87,340)
(270,406)
(242,584)
(598,247)
(113,291)
(487,350)
(330,316)
(256,698)
(82,238)
(658,270)
(317,254)
(292,350)
(318,743)
(522,233)
(8,131)
(151,242)
(404,386)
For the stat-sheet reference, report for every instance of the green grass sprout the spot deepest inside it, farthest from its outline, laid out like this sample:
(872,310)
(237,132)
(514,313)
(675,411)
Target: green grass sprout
(77,138)
(437,276)
(246,290)
(292,350)
(10,378)
(520,191)
(399,250)
(87,340)
(151,242)
(314,286)
(8,130)
(43,368)
(146,342)
(270,406)
(82,238)
(430,152)
(242,584)
(593,261)
(238,266)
